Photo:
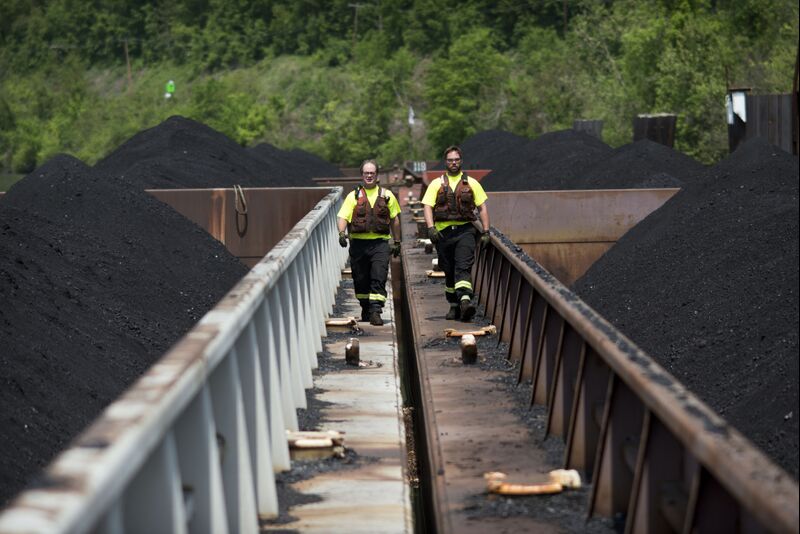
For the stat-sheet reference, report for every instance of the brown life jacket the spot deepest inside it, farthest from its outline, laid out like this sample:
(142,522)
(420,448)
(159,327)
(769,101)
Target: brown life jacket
(366,218)
(458,205)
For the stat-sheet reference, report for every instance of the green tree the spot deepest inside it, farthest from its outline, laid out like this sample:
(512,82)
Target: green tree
(542,93)
(465,89)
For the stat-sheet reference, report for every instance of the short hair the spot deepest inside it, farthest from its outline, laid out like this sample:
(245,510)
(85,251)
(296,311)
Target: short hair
(369,161)
(453,148)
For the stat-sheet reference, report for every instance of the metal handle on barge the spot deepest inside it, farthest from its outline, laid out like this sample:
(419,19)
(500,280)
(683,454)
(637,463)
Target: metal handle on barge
(652,449)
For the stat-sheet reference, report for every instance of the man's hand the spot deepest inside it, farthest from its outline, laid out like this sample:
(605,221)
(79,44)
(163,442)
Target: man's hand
(484,238)
(396,248)
(434,235)
(342,240)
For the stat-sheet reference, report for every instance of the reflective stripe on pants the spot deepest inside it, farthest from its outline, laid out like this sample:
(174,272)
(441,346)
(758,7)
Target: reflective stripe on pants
(369,263)
(456,250)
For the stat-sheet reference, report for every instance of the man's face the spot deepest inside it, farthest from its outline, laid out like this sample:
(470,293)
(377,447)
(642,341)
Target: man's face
(453,162)
(369,175)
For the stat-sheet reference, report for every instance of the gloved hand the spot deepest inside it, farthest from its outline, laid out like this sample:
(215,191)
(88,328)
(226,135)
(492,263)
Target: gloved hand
(396,248)
(484,239)
(434,235)
(342,240)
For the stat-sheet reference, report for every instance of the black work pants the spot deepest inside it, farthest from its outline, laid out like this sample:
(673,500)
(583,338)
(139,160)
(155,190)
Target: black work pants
(456,250)
(369,263)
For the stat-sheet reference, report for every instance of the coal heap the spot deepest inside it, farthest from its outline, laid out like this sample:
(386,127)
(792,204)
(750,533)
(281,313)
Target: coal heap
(642,164)
(549,162)
(708,286)
(97,279)
(570,159)
(488,149)
(182,153)
(293,167)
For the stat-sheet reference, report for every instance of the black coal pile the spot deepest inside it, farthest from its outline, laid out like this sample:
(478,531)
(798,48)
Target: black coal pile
(708,286)
(642,164)
(488,149)
(570,159)
(97,280)
(551,161)
(293,167)
(182,153)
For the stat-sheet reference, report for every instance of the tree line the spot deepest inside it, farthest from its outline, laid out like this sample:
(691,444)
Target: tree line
(340,78)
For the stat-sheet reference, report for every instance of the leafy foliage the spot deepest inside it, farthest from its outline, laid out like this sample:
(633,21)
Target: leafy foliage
(340,78)
(461,88)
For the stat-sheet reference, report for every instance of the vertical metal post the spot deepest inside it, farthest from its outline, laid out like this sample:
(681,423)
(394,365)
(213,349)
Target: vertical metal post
(617,450)
(289,344)
(279,347)
(537,355)
(255,407)
(480,268)
(199,460)
(659,495)
(563,392)
(309,309)
(549,348)
(507,304)
(519,321)
(229,419)
(490,279)
(711,508)
(298,343)
(524,360)
(319,283)
(584,425)
(113,521)
(277,396)
(154,502)
(502,281)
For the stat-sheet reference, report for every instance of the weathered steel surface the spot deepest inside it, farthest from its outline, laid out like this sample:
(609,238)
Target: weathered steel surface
(352,177)
(271,213)
(347,182)
(771,117)
(620,412)
(658,127)
(471,424)
(478,174)
(366,405)
(566,261)
(567,231)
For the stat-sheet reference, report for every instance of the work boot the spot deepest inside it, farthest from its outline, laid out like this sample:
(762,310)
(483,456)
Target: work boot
(375,318)
(467,310)
(454,313)
(364,315)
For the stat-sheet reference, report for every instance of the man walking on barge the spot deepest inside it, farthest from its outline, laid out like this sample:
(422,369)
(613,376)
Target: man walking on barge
(449,207)
(369,213)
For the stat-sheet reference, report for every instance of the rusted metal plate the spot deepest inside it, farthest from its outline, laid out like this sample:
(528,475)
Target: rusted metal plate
(271,213)
(352,176)
(566,261)
(350,171)
(478,174)
(347,182)
(567,231)
(472,425)
(572,216)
